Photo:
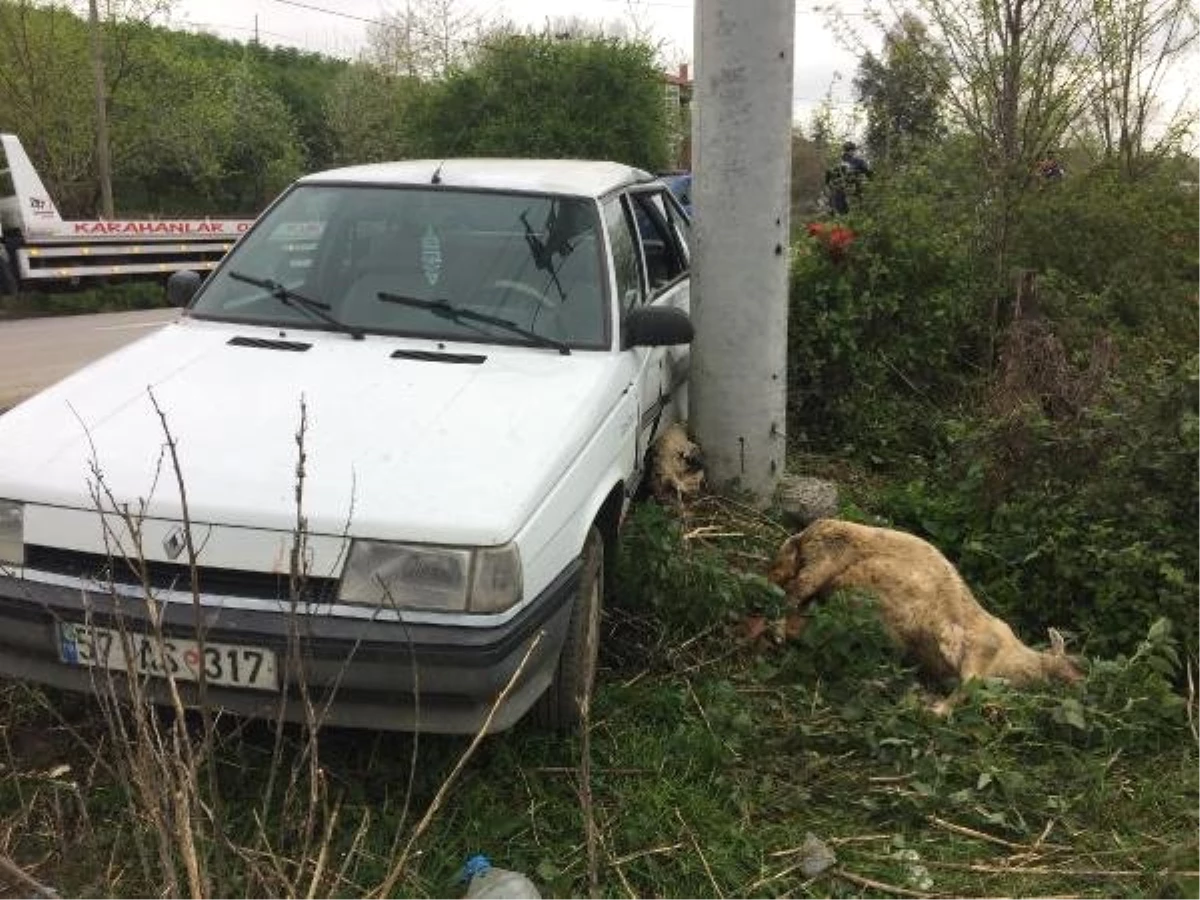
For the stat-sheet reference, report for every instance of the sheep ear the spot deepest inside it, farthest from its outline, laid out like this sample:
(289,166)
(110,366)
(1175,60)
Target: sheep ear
(1057,645)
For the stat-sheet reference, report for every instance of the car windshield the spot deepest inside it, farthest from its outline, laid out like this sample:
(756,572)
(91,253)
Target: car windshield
(531,262)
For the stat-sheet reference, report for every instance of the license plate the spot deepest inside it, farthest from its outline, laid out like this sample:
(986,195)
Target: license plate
(233,665)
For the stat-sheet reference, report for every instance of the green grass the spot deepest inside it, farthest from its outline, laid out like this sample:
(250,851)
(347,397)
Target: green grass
(100,299)
(712,760)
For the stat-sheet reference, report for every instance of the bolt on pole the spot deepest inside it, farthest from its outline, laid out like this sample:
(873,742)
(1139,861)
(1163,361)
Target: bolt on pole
(741,190)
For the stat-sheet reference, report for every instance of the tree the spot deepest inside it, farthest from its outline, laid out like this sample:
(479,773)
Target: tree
(1018,82)
(367,112)
(198,135)
(141,11)
(260,152)
(42,97)
(1018,75)
(303,81)
(903,90)
(43,50)
(166,141)
(425,39)
(1135,42)
(534,95)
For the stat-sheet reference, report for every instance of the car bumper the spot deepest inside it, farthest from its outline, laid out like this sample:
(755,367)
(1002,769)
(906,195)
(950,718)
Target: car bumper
(440,678)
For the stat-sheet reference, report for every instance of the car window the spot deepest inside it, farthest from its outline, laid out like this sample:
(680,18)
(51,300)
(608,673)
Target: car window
(532,260)
(681,227)
(660,236)
(624,242)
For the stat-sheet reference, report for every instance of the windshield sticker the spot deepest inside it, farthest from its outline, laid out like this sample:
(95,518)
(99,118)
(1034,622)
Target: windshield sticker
(431,256)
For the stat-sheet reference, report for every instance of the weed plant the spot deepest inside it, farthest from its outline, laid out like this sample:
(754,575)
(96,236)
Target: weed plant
(712,758)
(102,299)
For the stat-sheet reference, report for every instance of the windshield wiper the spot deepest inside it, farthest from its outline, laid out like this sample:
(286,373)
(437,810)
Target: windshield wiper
(543,258)
(447,310)
(296,300)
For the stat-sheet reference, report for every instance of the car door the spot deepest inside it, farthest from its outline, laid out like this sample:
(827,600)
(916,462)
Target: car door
(663,238)
(652,267)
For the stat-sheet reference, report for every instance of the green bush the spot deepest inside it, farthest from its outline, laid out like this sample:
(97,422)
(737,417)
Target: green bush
(1122,255)
(119,297)
(1089,524)
(1054,459)
(537,96)
(684,585)
(883,336)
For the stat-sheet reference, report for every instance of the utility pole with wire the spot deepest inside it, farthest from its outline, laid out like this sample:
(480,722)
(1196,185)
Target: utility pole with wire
(103,157)
(741,189)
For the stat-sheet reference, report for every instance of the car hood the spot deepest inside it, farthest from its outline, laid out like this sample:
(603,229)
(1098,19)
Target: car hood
(434,448)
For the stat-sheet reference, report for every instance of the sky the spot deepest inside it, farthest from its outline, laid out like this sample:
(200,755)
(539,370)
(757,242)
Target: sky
(823,69)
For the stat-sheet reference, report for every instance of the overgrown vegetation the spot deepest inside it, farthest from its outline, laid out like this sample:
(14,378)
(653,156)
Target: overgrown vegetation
(102,299)
(714,756)
(1039,427)
(1003,364)
(202,125)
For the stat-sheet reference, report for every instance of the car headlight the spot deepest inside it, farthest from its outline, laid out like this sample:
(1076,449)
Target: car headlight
(12,532)
(447,579)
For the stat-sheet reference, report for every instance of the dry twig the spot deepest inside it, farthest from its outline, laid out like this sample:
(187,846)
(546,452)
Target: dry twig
(650,851)
(700,853)
(397,869)
(1191,702)
(22,877)
(881,886)
(979,835)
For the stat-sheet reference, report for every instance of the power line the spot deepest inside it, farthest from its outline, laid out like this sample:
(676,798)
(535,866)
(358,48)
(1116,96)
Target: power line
(331,12)
(226,27)
(382,23)
(813,11)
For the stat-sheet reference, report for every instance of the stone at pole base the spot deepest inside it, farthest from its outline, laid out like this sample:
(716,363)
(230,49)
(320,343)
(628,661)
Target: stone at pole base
(804,499)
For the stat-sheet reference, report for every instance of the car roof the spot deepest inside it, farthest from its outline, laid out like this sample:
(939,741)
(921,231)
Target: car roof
(584,178)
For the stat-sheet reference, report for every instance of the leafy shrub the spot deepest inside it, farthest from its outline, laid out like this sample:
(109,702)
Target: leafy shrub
(1125,253)
(509,102)
(1004,758)
(844,639)
(1088,524)
(1060,476)
(105,298)
(685,585)
(886,330)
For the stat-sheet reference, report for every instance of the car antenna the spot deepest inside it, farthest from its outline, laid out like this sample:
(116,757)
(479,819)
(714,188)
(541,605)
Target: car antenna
(437,173)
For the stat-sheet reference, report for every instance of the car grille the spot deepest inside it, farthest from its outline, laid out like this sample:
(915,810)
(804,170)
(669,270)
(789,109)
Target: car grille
(175,576)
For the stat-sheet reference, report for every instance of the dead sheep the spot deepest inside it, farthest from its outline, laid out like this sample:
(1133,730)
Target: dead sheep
(924,604)
(676,466)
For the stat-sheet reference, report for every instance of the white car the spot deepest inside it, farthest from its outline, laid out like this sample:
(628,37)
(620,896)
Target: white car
(483,350)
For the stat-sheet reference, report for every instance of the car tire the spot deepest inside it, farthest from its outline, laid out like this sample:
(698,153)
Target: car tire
(8,278)
(561,708)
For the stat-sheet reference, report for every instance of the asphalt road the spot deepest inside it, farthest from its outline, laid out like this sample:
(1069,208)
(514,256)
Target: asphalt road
(35,353)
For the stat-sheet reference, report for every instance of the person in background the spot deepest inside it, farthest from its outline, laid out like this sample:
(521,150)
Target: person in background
(846,176)
(1050,169)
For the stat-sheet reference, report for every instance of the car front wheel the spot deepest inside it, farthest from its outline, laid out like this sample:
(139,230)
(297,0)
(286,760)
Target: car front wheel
(565,703)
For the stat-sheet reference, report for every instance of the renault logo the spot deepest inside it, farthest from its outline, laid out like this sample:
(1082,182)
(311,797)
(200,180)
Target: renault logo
(174,542)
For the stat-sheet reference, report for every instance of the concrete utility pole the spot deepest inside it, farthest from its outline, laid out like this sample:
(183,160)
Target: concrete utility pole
(741,190)
(103,158)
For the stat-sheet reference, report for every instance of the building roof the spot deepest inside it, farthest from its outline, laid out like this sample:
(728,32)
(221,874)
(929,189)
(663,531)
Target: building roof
(553,176)
(683,79)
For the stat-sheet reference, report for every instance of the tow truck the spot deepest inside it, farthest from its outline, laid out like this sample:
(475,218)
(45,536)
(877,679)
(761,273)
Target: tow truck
(39,250)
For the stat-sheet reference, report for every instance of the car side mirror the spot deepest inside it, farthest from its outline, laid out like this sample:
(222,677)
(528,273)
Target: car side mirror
(182,286)
(657,326)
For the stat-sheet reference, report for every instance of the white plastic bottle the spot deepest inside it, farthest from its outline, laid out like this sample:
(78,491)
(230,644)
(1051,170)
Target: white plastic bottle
(485,880)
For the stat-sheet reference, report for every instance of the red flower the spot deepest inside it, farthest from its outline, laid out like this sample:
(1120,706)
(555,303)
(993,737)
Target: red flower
(835,238)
